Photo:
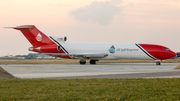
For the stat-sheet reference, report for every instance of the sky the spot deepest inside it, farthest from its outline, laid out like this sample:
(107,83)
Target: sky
(91,21)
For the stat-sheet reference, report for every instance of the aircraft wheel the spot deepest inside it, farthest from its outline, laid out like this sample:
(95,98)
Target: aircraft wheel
(92,61)
(82,62)
(158,63)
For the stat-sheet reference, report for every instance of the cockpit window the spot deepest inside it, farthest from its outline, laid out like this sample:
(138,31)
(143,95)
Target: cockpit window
(166,49)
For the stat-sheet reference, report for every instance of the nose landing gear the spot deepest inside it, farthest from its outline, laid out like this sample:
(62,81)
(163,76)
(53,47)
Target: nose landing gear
(158,62)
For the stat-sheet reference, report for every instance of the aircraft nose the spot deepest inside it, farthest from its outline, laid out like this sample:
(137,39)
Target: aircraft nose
(171,54)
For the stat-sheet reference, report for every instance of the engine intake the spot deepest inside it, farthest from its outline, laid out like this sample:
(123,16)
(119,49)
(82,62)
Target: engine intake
(60,39)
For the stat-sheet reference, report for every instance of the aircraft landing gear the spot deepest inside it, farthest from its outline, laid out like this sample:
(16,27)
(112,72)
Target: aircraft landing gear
(93,61)
(82,62)
(158,63)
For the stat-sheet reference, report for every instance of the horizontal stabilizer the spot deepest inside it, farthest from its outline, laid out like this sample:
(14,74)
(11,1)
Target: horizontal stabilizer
(19,27)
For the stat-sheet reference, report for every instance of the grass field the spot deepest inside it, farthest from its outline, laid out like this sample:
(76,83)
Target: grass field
(76,61)
(90,89)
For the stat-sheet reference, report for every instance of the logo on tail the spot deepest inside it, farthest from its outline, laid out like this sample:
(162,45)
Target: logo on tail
(39,37)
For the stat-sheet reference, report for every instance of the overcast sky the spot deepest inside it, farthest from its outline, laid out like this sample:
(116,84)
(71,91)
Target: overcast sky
(91,21)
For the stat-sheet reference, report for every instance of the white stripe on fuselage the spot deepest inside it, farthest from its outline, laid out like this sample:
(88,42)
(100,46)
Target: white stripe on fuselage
(122,51)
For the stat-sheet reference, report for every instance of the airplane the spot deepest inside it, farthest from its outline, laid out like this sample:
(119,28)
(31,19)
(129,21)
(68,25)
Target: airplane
(56,47)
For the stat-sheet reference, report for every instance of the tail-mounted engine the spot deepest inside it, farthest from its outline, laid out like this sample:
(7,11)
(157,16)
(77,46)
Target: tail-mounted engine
(46,49)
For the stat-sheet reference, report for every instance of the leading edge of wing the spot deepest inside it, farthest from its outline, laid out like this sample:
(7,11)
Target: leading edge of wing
(95,55)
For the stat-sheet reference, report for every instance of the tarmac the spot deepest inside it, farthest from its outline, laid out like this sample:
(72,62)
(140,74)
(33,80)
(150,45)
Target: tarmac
(101,70)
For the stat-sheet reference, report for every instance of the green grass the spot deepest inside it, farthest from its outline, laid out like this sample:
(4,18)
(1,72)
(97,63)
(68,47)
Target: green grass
(90,89)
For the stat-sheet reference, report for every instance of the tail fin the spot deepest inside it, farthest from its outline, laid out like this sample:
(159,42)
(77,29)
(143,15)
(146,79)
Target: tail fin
(34,36)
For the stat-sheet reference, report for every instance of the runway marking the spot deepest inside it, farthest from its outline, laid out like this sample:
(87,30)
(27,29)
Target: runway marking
(39,69)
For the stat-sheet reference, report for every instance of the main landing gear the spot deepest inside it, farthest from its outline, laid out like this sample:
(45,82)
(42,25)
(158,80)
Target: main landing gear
(93,61)
(83,61)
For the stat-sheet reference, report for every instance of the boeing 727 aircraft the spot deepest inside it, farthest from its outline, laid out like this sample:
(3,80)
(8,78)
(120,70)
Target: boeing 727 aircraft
(56,47)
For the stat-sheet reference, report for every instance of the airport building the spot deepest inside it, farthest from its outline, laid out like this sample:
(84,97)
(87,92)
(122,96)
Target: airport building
(29,56)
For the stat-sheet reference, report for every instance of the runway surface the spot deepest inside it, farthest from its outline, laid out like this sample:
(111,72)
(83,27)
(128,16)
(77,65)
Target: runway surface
(101,70)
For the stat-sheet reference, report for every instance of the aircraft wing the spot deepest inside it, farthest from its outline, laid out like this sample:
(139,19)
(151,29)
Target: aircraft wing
(95,55)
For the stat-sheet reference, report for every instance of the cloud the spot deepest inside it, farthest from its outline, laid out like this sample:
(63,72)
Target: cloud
(97,12)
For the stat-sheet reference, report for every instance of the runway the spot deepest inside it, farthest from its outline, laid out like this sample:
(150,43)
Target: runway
(101,70)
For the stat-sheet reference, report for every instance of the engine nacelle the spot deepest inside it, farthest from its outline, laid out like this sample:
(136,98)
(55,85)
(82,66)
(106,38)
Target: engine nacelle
(60,39)
(46,49)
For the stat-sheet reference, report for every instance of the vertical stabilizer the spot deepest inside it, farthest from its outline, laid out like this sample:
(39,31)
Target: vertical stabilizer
(34,36)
